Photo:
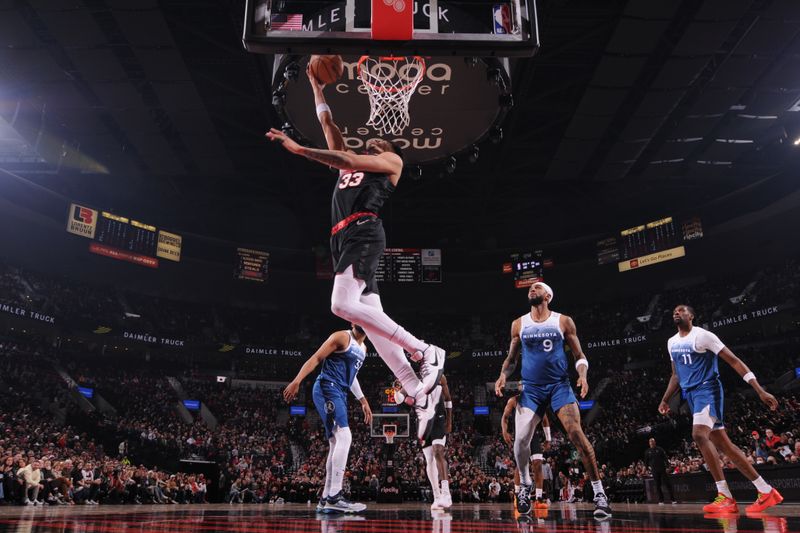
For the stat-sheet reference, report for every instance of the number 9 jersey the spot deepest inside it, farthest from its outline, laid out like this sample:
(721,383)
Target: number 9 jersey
(544,360)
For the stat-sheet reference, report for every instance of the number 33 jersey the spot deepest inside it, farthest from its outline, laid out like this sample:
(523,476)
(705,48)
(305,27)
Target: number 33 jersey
(357,191)
(543,358)
(695,357)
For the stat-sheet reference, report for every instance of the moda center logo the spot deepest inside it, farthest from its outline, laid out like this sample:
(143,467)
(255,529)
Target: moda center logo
(82,221)
(454,106)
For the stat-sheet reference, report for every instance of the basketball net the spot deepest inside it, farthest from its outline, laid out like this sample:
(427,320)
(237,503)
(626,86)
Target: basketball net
(389,432)
(390,83)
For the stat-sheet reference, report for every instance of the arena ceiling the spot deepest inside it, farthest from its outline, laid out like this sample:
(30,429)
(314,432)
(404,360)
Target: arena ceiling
(632,109)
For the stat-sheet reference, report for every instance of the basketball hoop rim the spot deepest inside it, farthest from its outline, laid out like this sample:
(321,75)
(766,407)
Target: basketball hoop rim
(411,85)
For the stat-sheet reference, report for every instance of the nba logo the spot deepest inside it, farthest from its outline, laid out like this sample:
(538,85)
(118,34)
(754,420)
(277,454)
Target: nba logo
(502,19)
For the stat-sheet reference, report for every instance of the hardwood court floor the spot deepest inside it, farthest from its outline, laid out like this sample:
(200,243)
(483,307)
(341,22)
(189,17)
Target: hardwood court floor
(379,518)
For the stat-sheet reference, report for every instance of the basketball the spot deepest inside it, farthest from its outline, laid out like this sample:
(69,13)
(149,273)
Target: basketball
(326,69)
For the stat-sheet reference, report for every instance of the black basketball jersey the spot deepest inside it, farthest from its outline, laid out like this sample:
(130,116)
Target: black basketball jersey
(357,191)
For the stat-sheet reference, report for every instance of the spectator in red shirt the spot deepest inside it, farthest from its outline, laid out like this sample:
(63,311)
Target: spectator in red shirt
(771,439)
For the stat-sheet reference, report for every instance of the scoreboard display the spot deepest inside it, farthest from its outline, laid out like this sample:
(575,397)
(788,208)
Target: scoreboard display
(124,234)
(410,265)
(251,265)
(527,268)
(646,244)
(122,238)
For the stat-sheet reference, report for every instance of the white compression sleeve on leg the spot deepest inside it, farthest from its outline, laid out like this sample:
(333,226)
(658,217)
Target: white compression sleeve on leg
(326,491)
(391,353)
(340,452)
(346,304)
(525,422)
(432,470)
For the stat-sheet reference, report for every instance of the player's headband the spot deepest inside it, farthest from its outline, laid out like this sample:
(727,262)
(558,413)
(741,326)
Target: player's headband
(546,288)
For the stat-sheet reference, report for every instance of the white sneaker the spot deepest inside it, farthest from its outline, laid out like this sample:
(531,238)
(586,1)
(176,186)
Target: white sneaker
(426,409)
(437,505)
(338,503)
(28,502)
(446,500)
(431,367)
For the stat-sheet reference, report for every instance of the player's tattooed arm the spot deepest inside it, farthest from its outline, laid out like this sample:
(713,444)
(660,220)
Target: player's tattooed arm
(332,158)
(511,361)
(571,336)
(672,388)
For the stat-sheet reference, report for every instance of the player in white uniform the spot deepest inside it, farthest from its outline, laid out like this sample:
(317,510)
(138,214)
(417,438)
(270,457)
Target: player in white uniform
(694,354)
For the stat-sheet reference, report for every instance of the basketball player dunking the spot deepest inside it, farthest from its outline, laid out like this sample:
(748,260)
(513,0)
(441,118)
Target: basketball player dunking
(694,353)
(538,339)
(357,243)
(341,357)
(537,450)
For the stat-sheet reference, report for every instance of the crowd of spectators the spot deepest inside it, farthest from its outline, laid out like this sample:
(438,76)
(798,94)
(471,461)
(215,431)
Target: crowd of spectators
(263,455)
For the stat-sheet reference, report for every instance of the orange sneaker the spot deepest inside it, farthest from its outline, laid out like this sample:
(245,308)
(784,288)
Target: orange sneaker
(765,501)
(721,504)
(540,505)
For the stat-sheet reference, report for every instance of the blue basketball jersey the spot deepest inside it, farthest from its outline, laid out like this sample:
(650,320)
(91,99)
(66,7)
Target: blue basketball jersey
(341,367)
(544,360)
(695,357)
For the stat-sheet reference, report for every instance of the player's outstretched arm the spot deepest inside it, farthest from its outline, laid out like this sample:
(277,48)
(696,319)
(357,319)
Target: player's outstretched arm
(335,343)
(384,163)
(510,364)
(333,135)
(738,365)
(672,388)
(581,362)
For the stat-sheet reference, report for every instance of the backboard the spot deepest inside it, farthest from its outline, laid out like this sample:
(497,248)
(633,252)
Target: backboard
(480,28)
(400,421)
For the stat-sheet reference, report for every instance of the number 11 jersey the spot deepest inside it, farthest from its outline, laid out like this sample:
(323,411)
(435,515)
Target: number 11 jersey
(695,357)
(544,360)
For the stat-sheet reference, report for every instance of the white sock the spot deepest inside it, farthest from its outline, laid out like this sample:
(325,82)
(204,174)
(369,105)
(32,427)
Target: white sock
(538,494)
(516,488)
(597,487)
(432,471)
(722,488)
(762,486)
(346,303)
(391,353)
(326,491)
(340,452)
(445,486)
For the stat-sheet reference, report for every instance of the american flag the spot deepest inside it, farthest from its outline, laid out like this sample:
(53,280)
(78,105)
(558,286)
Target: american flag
(284,21)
